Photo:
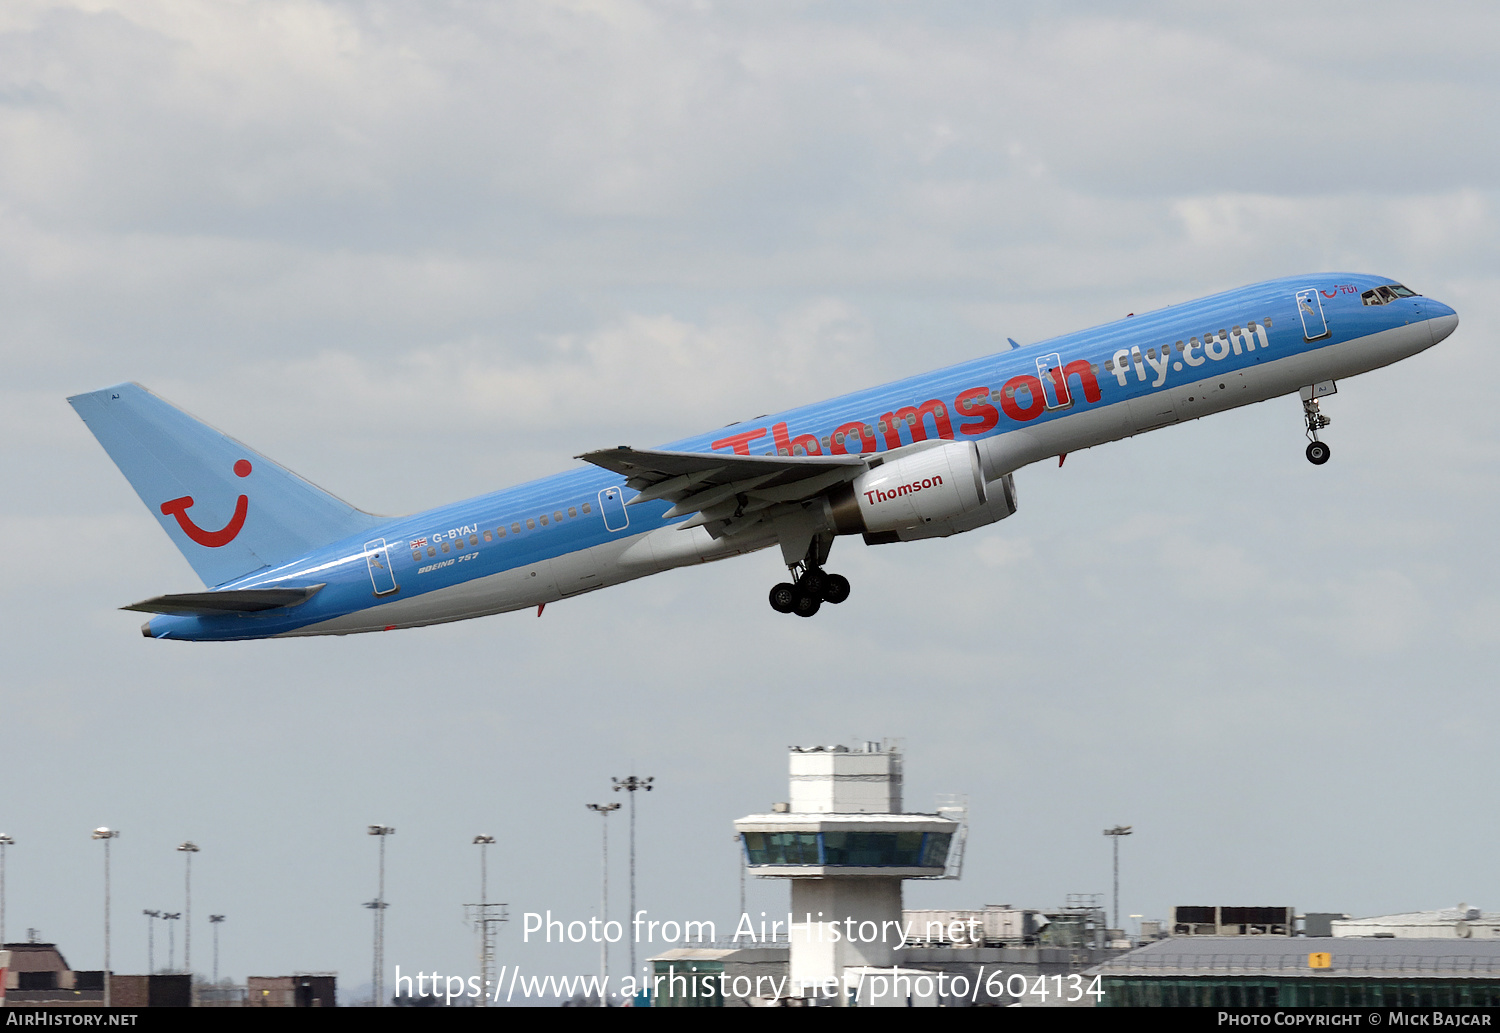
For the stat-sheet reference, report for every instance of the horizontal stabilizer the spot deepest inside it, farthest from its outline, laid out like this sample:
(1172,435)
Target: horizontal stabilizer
(239,600)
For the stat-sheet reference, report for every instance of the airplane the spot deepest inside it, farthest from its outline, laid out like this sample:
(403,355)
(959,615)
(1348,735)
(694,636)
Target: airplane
(925,457)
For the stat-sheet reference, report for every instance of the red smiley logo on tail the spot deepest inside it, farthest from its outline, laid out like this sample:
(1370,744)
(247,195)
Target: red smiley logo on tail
(211,539)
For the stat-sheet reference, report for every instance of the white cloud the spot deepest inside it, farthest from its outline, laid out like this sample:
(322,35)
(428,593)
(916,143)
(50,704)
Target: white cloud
(423,250)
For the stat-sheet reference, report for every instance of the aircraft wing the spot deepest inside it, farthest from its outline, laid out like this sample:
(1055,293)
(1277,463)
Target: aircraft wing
(728,492)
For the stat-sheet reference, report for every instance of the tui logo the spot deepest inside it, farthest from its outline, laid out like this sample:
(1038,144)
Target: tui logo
(211,539)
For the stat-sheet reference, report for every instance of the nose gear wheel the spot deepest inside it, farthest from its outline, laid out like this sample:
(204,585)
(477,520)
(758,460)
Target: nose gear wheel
(1318,452)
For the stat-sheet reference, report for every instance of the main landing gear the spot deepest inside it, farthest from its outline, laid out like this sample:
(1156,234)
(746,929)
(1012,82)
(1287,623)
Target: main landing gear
(810,589)
(1317,451)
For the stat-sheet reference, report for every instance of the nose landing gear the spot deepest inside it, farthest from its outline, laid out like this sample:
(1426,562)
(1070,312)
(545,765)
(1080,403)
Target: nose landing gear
(1317,451)
(811,588)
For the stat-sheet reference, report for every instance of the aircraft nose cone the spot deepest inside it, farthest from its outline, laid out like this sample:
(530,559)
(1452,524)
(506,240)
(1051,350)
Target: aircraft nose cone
(1442,321)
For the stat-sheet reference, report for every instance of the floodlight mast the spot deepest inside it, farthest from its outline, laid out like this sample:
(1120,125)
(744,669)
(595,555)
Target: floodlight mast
(486,917)
(632,785)
(151,917)
(379,905)
(1115,834)
(106,834)
(188,849)
(168,916)
(214,921)
(604,810)
(5,841)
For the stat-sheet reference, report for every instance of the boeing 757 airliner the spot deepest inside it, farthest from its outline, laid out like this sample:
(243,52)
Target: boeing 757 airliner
(926,457)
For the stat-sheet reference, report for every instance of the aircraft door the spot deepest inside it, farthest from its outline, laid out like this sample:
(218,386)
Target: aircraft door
(612,506)
(1049,370)
(378,557)
(1310,308)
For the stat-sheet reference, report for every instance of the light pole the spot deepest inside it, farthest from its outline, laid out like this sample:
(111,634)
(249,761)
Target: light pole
(168,916)
(151,917)
(214,921)
(5,841)
(1115,834)
(487,920)
(106,834)
(188,849)
(632,785)
(379,905)
(604,810)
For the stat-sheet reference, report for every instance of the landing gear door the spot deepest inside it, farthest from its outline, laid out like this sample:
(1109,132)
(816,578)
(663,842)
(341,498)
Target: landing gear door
(1310,308)
(378,557)
(612,506)
(1049,370)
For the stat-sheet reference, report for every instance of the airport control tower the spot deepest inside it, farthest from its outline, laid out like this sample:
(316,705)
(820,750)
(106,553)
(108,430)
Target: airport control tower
(846,846)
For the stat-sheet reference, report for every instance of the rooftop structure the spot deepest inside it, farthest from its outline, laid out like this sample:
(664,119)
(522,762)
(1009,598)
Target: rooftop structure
(1462,923)
(1233,921)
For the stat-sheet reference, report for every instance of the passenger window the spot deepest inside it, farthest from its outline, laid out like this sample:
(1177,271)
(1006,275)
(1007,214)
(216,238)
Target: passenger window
(445,546)
(587,508)
(431,552)
(416,556)
(500,532)
(458,543)
(488,535)
(515,528)
(474,538)
(544,519)
(572,512)
(530,524)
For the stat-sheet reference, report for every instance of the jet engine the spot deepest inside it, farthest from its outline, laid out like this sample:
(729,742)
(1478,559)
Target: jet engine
(931,493)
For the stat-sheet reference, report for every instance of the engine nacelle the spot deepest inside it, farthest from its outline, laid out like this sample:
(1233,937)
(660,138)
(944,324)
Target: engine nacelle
(931,487)
(1001,504)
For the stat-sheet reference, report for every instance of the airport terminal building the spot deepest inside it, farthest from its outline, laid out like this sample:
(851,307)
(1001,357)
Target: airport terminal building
(1303,972)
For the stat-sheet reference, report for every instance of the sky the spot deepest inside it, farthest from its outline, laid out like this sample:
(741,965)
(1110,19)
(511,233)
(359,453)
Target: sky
(422,251)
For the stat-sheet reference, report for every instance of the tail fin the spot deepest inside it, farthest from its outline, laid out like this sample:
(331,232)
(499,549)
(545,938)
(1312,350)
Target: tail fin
(228,508)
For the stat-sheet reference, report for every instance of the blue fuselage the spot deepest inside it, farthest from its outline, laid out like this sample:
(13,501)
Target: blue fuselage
(552,538)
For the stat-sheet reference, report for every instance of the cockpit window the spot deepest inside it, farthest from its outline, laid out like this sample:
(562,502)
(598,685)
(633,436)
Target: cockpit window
(1387,294)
